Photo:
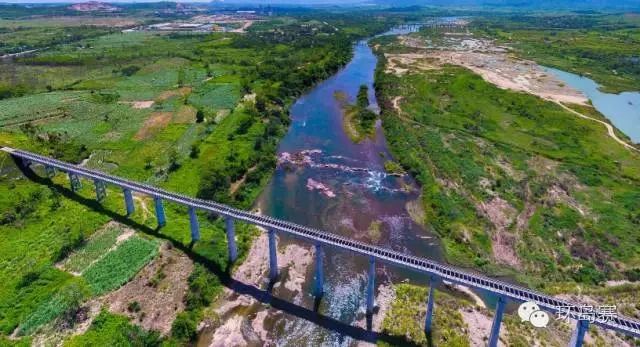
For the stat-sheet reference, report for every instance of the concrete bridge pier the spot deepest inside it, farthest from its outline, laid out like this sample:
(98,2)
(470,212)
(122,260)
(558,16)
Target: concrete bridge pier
(162,219)
(431,300)
(273,256)
(195,227)
(50,170)
(231,239)
(371,284)
(128,201)
(497,320)
(75,182)
(101,190)
(578,334)
(319,286)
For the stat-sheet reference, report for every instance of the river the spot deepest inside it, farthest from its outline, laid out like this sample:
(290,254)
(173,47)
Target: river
(326,181)
(356,192)
(622,109)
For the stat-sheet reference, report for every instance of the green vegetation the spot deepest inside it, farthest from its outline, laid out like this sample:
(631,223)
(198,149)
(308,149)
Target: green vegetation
(602,47)
(39,227)
(406,316)
(203,288)
(190,113)
(62,305)
(119,266)
(113,330)
(364,119)
(374,231)
(359,120)
(486,157)
(95,248)
(392,167)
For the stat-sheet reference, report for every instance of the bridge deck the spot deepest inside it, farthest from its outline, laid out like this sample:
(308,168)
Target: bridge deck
(618,323)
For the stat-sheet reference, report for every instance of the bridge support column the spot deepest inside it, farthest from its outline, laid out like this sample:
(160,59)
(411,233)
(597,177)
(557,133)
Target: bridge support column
(50,170)
(75,182)
(497,320)
(371,285)
(578,334)
(319,286)
(431,300)
(273,256)
(128,201)
(101,190)
(195,227)
(162,219)
(231,239)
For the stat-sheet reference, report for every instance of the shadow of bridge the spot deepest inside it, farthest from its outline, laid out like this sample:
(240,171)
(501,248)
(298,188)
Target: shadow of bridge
(260,295)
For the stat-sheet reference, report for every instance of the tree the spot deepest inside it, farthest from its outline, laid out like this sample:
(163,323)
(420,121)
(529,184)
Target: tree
(180,78)
(261,102)
(245,87)
(195,151)
(199,116)
(173,160)
(363,97)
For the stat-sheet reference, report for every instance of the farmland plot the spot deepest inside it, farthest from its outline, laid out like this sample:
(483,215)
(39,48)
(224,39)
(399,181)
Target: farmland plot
(120,265)
(97,247)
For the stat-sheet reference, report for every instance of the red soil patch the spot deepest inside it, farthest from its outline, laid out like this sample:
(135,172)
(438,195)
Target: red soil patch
(153,124)
(169,93)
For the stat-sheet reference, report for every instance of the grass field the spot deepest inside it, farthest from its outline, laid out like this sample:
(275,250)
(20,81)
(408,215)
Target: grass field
(487,158)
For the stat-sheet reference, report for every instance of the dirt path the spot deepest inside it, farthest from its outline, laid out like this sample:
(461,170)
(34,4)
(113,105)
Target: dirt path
(467,291)
(396,104)
(237,184)
(610,129)
(124,236)
(143,204)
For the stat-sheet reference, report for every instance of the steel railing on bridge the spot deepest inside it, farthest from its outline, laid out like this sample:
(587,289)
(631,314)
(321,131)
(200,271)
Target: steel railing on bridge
(436,271)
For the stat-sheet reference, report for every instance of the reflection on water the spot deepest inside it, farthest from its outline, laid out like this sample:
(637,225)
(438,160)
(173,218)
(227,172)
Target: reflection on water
(622,109)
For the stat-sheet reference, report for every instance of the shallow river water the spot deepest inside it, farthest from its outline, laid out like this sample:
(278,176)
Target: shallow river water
(356,192)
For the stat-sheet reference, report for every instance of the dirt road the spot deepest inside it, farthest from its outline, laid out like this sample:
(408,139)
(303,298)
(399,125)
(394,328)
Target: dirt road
(610,130)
